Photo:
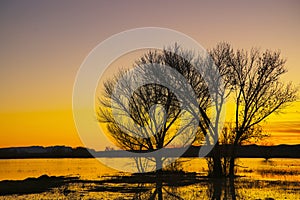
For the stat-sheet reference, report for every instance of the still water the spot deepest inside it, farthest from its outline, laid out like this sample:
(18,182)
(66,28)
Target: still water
(260,179)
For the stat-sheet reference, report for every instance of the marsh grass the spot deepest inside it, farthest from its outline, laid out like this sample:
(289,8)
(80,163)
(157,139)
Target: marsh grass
(142,186)
(281,172)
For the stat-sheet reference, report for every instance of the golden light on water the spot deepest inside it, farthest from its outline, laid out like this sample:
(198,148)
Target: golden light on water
(257,183)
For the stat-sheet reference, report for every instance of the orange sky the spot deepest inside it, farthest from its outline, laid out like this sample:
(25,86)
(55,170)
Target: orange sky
(44,43)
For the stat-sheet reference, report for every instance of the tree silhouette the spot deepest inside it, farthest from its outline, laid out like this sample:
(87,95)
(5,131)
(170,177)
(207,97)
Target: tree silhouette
(258,92)
(207,74)
(219,56)
(205,81)
(155,116)
(152,116)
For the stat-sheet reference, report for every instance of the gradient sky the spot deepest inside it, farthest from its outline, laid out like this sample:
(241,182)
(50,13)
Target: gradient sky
(43,44)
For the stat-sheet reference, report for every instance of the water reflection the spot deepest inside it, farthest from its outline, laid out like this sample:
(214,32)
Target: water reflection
(159,191)
(149,186)
(221,189)
(277,179)
(170,186)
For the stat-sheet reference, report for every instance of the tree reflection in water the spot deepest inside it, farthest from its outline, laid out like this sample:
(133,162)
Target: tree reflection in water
(167,185)
(221,189)
(173,186)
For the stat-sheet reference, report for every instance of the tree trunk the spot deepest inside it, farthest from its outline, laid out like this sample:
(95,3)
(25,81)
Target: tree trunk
(217,165)
(232,188)
(231,167)
(159,163)
(232,159)
(217,189)
(159,186)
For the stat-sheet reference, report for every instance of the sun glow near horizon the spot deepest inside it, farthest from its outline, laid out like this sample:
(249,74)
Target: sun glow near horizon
(44,44)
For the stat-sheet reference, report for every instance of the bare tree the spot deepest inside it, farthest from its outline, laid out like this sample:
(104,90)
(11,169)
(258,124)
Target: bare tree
(156,111)
(208,76)
(252,77)
(258,92)
(205,81)
(219,56)
(211,86)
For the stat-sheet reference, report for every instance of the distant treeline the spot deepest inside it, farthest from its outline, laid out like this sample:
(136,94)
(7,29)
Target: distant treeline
(255,151)
(45,152)
(246,151)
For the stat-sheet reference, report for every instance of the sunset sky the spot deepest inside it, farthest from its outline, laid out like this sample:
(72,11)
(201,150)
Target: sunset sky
(43,44)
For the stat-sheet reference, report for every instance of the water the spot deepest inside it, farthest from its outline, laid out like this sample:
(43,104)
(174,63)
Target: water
(276,178)
(19,169)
